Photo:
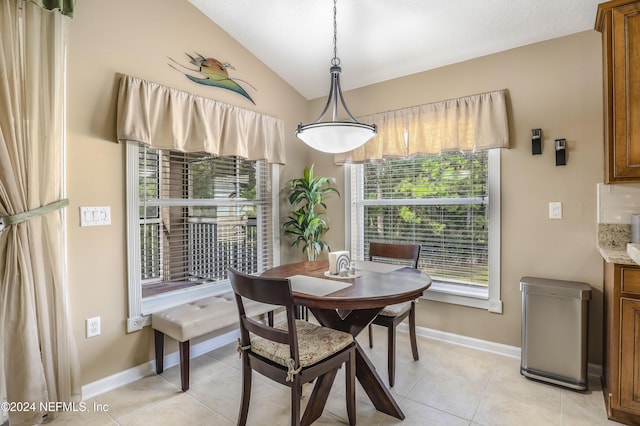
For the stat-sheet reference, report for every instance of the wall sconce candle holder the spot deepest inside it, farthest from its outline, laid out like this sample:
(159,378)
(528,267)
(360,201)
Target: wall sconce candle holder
(536,141)
(561,152)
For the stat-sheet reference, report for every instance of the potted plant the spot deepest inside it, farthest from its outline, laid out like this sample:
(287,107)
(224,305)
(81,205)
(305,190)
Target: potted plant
(305,223)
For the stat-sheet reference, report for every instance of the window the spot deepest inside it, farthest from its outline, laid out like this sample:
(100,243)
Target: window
(190,217)
(450,204)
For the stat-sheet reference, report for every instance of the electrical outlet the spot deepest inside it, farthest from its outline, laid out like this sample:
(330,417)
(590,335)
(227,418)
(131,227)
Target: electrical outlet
(555,210)
(93,327)
(495,306)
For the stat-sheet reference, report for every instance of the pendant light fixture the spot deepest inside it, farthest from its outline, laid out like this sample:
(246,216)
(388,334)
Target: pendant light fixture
(336,135)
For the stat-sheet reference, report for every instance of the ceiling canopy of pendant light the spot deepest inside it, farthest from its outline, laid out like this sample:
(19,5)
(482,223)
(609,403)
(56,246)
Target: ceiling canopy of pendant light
(336,135)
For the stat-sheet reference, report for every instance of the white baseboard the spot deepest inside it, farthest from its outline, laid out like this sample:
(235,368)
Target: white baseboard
(470,342)
(117,380)
(482,345)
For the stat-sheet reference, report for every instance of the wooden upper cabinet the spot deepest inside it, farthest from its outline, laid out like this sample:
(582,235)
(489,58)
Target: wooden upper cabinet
(619,23)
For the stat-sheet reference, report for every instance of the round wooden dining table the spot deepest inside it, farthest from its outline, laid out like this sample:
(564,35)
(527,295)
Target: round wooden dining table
(351,308)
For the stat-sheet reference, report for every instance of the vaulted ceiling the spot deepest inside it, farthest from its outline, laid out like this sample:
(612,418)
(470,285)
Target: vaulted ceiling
(383,39)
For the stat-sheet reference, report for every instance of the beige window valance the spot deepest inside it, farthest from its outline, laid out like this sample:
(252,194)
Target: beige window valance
(170,119)
(463,124)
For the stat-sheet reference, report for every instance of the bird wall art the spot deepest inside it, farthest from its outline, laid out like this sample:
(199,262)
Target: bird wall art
(212,73)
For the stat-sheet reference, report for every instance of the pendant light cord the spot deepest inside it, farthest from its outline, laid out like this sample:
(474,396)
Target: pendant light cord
(335,61)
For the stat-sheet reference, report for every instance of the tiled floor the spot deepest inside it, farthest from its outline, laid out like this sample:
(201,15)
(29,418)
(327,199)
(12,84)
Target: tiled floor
(449,385)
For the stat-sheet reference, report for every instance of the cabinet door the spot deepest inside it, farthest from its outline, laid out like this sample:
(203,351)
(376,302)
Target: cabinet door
(630,354)
(626,93)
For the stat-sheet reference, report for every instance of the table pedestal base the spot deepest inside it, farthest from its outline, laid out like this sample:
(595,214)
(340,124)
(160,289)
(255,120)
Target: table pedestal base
(354,323)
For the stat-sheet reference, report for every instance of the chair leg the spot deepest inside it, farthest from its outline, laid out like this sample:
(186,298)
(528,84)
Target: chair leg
(370,336)
(391,356)
(184,365)
(412,331)
(246,391)
(159,345)
(296,395)
(351,388)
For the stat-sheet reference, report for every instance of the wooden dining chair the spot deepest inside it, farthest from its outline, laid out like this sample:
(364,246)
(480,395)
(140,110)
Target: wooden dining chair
(393,315)
(292,352)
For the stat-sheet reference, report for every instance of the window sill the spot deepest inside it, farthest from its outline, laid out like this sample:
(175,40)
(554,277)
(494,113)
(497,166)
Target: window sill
(465,295)
(162,301)
(161,287)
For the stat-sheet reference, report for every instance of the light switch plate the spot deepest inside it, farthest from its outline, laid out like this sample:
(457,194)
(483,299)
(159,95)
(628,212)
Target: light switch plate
(555,210)
(95,216)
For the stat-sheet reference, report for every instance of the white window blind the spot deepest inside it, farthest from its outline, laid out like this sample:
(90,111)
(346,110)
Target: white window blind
(198,215)
(440,202)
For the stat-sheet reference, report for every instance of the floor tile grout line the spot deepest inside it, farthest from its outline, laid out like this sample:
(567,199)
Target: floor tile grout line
(208,408)
(435,408)
(485,391)
(202,402)
(165,379)
(150,404)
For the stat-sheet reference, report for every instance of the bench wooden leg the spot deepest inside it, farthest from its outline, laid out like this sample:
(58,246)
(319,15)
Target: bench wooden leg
(159,345)
(184,365)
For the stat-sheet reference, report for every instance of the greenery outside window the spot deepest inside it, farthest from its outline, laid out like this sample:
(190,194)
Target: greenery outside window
(450,204)
(190,216)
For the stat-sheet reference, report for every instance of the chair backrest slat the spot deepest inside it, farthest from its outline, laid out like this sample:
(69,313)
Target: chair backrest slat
(408,252)
(273,291)
(269,333)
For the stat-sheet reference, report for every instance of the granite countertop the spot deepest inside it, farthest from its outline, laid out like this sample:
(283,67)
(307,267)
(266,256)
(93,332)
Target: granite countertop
(613,243)
(617,256)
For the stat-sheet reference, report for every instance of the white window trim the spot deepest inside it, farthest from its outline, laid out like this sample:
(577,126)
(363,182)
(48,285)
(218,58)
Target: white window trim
(466,295)
(139,308)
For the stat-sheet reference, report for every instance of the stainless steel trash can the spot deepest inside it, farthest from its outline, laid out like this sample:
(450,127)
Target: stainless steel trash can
(555,317)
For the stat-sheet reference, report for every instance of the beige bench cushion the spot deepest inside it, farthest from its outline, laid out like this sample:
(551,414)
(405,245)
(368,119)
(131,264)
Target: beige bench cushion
(203,316)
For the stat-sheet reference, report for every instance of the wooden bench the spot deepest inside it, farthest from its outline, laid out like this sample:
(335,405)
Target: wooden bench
(185,322)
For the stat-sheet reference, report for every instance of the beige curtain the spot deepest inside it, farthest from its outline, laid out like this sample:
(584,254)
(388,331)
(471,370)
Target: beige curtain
(38,358)
(166,118)
(463,124)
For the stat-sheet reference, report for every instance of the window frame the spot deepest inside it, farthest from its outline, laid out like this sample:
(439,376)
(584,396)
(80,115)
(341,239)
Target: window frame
(139,308)
(460,294)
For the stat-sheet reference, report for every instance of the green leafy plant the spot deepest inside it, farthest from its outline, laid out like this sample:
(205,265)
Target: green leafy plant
(305,224)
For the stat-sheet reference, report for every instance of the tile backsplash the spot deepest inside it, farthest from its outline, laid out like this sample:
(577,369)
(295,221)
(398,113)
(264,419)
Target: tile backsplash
(616,203)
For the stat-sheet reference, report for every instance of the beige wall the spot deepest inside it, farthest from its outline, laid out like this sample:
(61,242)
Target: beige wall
(136,37)
(553,85)
(556,86)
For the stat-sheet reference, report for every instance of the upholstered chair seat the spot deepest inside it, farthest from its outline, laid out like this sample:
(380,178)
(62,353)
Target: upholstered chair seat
(395,310)
(315,343)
